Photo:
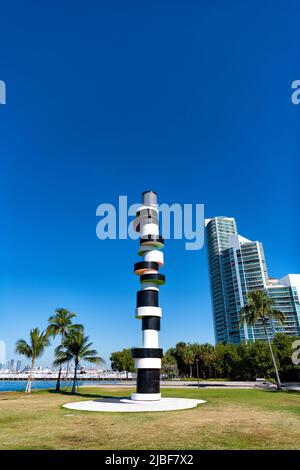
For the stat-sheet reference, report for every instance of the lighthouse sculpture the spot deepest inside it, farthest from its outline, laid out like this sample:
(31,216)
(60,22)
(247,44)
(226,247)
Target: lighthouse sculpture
(147,359)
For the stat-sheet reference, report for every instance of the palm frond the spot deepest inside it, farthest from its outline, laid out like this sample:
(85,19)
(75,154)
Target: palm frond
(60,322)
(22,347)
(88,352)
(34,349)
(259,307)
(79,347)
(94,359)
(278,316)
(58,350)
(76,326)
(61,358)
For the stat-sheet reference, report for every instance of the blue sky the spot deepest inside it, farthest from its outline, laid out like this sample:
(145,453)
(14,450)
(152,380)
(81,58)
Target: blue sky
(191,99)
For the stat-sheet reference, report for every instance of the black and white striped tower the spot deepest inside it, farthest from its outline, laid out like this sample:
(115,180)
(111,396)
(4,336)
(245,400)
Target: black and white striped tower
(148,358)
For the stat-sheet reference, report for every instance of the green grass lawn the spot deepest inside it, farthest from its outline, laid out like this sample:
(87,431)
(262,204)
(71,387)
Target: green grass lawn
(231,419)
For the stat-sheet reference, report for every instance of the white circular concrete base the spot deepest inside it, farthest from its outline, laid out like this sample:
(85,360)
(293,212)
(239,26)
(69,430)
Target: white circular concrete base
(121,405)
(145,396)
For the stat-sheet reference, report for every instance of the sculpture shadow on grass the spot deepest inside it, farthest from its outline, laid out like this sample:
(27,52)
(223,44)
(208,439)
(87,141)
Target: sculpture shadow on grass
(206,385)
(88,395)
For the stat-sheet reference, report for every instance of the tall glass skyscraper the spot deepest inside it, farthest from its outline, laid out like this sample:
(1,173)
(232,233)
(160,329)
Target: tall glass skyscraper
(237,266)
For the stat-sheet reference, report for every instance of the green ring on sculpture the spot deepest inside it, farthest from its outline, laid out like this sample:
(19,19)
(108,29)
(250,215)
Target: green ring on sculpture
(156,278)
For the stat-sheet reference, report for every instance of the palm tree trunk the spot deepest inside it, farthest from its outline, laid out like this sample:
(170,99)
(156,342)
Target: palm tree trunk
(60,367)
(246,331)
(75,378)
(191,371)
(279,386)
(58,380)
(28,385)
(67,373)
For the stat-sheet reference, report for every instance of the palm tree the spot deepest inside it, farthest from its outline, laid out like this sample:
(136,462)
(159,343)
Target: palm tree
(76,347)
(206,354)
(61,324)
(33,350)
(260,307)
(189,357)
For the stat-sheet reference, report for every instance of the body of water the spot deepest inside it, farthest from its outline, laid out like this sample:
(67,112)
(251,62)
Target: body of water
(20,385)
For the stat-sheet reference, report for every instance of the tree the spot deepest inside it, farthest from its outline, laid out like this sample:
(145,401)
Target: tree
(169,364)
(206,355)
(178,354)
(33,350)
(227,360)
(76,347)
(283,345)
(61,324)
(245,361)
(189,357)
(122,361)
(260,307)
(255,360)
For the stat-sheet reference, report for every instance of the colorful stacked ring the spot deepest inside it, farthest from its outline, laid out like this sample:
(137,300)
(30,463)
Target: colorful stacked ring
(148,358)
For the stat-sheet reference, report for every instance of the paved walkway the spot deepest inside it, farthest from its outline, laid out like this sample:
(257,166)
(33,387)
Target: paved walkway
(292,386)
(186,384)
